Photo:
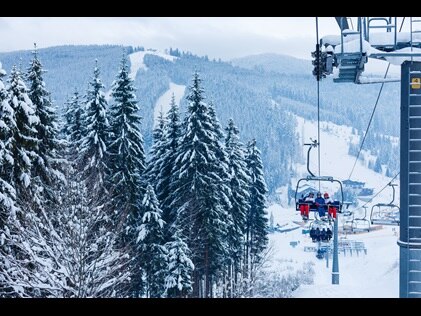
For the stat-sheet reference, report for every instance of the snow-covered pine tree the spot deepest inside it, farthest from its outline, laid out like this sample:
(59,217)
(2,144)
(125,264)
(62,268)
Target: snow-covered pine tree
(24,143)
(240,198)
(73,129)
(7,124)
(47,167)
(164,162)
(151,248)
(75,257)
(256,219)
(127,165)
(7,191)
(152,170)
(127,156)
(180,267)
(221,155)
(199,195)
(229,280)
(93,157)
(23,146)
(215,122)
(377,166)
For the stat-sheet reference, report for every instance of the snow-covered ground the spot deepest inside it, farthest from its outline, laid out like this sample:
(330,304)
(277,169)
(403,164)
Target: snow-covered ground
(163,102)
(375,274)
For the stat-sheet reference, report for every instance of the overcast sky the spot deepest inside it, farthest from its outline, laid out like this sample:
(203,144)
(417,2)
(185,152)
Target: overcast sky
(218,37)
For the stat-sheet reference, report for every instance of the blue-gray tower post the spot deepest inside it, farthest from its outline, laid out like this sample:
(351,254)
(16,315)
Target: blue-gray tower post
(410,182)
(335,262)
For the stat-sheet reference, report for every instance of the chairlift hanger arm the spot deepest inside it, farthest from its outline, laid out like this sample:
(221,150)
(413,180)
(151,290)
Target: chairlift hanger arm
(393,196)
(313,143)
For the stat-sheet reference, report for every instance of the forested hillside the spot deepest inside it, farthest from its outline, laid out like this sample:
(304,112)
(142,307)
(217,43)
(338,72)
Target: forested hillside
(275,85)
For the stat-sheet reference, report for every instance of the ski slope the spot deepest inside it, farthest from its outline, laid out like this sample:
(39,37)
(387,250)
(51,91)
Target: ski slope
(137,63)
(136,60)
(375,274)
(164,101)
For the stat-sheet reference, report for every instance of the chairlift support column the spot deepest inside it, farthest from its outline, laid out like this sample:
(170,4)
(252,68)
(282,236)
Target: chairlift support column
(410,181)
(335,263)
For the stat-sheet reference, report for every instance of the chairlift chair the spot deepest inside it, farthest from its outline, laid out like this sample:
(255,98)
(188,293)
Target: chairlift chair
(312,206)
(386,214)
(348,218)
(361,223)
(321,224)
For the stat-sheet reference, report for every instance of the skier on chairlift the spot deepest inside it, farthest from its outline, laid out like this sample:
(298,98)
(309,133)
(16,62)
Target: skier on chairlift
(305,208)
(330,209)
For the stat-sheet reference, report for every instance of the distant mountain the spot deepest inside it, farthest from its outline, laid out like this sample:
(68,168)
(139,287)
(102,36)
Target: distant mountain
(274,62)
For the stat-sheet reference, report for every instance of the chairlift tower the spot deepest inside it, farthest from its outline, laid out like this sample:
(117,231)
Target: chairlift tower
(349,52)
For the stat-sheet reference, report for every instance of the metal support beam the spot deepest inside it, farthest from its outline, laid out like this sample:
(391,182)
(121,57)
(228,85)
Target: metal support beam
(386,54)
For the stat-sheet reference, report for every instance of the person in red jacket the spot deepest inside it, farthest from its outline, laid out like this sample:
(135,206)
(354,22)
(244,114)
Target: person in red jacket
(305,207)
(331,210)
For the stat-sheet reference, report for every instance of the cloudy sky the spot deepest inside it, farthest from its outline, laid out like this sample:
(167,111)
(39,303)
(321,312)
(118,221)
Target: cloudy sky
(218,37)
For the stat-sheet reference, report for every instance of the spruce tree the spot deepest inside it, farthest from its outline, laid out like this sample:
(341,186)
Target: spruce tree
(215,122)
(7,191)
(152,170)
(151,247)
(20,155)
(127,162)
(46,167)
(256,219)
(377,166)
(164,163)
(74,129)
(180,267)
(93,151)
(127,165)
(199,194)
(7,125)
(240,196)
(24,143)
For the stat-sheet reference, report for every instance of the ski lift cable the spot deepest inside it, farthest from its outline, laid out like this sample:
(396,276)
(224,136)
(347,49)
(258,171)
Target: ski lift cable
(369,123)
(372,114)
